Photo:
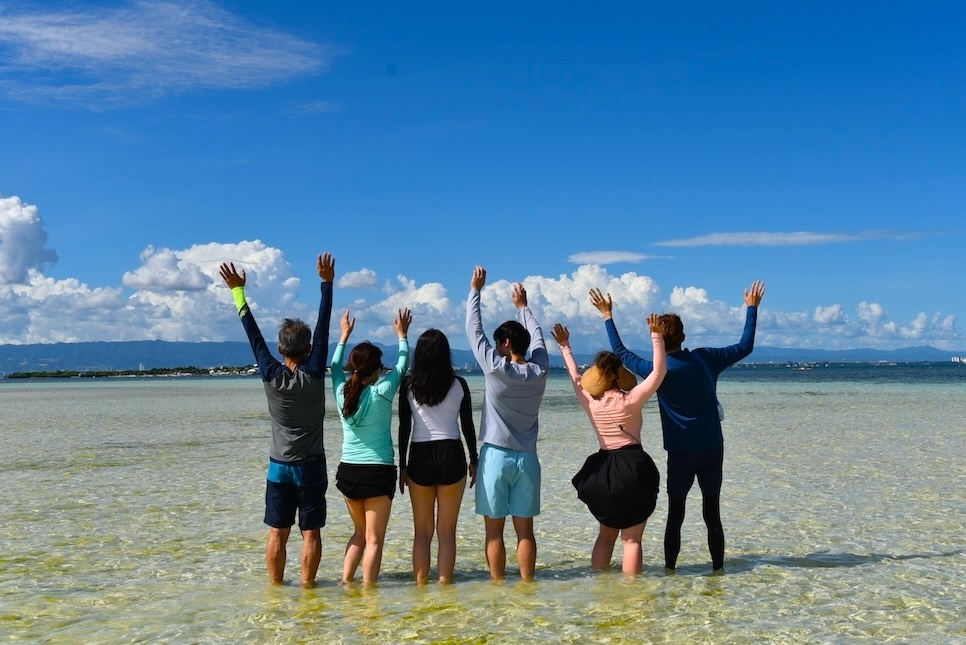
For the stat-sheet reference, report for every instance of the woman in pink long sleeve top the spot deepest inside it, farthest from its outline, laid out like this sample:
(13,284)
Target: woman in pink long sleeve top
(619,483)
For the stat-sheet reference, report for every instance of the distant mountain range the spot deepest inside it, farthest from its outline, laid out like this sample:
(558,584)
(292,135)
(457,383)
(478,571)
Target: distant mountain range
(134,355)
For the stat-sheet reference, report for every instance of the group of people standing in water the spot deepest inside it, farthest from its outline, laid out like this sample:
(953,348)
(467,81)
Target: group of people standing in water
(619,484)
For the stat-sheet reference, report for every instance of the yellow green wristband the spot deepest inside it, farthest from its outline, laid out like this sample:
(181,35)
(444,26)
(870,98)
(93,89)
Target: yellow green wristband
(238,293)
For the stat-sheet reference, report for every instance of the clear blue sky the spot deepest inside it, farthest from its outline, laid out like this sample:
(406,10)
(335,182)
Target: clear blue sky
(667,155)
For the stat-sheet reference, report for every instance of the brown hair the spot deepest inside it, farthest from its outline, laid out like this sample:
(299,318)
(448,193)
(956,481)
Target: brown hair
(364,359)
(609,365)
(673,331)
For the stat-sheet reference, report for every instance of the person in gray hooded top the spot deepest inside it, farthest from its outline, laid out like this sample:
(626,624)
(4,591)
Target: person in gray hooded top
(508,474)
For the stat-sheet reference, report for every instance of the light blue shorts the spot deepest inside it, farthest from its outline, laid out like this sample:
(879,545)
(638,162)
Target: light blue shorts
(508,483)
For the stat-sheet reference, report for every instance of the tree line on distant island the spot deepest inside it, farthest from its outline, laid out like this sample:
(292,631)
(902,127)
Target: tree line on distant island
(156,371)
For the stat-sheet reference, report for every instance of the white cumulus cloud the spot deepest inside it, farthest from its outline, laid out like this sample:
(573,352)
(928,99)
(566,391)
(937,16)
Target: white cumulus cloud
(829,315)
(361,279)
(871,313)
(23,240)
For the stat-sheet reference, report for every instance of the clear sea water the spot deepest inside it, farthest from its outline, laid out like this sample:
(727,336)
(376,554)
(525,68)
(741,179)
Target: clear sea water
(132,512)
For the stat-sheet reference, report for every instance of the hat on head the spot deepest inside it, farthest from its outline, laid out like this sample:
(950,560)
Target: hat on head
(595,384)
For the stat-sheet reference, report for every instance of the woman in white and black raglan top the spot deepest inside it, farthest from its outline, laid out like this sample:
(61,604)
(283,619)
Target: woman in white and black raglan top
(434,405)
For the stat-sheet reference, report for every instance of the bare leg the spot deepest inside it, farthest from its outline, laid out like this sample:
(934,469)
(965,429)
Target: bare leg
(357,542)
(423,499)
(495,548)
(377,519)
(449,499)
(603,547)
(633,558)
(526,546)
(275,554)
(311,555)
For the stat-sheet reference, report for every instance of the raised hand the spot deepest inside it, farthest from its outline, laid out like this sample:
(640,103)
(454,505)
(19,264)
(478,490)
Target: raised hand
(230,275)
(753,297)
(560,334)
(326,267)
(478,279)
(402,321)
(519,295)
(604,305)
(654,323)
(348,324)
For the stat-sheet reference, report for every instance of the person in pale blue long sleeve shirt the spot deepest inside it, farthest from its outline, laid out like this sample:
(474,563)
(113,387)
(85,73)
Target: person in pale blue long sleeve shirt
(508,474)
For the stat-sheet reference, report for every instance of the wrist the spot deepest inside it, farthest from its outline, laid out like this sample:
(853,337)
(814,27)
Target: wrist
(238,294)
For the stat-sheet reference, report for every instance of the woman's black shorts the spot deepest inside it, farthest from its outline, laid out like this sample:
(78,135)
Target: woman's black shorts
(362,481)
(619,486)
(440,462)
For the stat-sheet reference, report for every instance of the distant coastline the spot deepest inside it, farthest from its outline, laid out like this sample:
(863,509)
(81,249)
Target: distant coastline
(252,370)
(139,357)
(246,370)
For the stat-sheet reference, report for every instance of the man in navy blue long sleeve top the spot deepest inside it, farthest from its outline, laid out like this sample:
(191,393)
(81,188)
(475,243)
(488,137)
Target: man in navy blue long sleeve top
(690,418)
(295,389)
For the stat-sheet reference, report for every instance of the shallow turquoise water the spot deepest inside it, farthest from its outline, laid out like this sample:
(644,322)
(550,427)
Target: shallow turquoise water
(132,513)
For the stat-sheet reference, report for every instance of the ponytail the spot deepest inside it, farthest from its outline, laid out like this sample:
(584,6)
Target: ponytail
(350,395)
(364,359)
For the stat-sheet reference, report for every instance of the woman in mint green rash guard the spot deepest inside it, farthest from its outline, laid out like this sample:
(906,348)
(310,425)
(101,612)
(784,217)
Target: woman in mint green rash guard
(367,475)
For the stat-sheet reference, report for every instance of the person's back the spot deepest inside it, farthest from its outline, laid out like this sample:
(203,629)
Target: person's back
(366,433)
(513,394)
(295,390)
(509,471)
(690,418)
(688,404)
(296,405)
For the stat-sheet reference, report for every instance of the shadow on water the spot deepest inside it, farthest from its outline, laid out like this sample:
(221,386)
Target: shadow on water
(817,560)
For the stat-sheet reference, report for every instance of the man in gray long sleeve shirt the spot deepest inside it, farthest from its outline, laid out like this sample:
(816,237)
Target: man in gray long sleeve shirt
(509,471)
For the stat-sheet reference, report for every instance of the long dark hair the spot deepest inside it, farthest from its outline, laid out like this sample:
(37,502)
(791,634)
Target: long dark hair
(432,374)
(364,359)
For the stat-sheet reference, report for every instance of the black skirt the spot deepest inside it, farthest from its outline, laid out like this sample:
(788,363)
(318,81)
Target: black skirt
(619,486)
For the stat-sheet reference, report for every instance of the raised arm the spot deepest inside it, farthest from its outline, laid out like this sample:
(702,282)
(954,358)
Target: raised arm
(720,358)
(315,364)
(538,347)
(267,364)
(482,350)
(391,383)
(562,335)
(338,374)
(630,360)
(649,386)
